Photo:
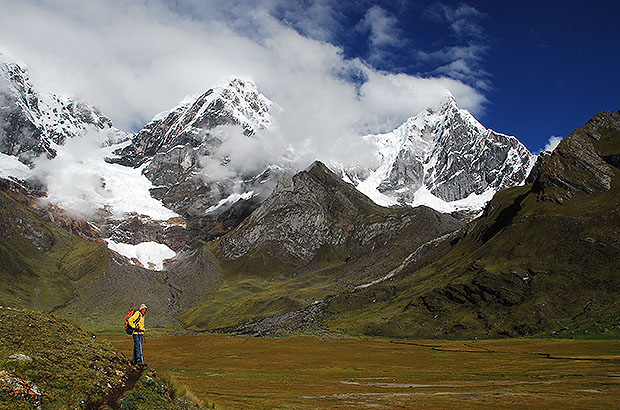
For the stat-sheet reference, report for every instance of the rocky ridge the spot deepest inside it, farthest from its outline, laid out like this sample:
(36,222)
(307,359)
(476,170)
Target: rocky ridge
(313,209)
(582,162)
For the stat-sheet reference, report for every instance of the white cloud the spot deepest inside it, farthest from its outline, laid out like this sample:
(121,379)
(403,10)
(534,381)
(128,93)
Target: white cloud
(135,59)
(383,27)
(384,34)
(464,20)
(239,155)
(552,143)
(392,96)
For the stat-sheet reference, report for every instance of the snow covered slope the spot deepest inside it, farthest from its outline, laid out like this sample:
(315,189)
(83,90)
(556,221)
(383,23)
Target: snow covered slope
(443,158)
(75,139)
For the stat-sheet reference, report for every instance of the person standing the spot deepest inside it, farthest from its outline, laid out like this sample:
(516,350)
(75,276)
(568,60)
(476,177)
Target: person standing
(137,322)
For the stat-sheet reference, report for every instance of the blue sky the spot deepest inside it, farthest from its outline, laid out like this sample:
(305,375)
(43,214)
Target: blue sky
(338,68)
(544,67)
(553,66)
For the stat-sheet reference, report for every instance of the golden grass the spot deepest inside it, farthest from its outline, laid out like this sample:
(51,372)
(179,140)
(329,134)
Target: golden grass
(347,373)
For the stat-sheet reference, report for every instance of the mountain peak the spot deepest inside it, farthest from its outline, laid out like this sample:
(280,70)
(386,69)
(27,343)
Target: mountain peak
(317,167)
(7,59)
(36,122)
(444,158)
(238,103)
(314,209)
(448,99)
(242,85)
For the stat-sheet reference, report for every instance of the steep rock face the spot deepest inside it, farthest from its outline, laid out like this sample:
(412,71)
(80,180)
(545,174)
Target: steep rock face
(172,145)
(31,123)
(446,153)
(583,161)
(467,158)
(315,208)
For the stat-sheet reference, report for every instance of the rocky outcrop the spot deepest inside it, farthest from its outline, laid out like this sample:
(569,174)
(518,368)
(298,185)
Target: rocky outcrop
(310,319)
(19,389)
(305,212)
(583,161)
(314,209)
(134,230)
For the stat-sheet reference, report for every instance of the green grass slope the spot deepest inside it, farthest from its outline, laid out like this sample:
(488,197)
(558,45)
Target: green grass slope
(41,264)
(544,259)
(67,368)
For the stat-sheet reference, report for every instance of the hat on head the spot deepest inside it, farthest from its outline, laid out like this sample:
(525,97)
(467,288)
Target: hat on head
(142,306)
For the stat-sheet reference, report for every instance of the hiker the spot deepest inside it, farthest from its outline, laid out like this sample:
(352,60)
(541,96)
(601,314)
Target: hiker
(137,320)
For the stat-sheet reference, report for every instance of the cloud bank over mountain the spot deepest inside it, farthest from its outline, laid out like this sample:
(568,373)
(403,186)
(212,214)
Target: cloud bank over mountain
(135,59)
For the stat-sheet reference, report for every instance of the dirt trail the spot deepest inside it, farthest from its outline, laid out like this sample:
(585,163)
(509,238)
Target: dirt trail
(111,399)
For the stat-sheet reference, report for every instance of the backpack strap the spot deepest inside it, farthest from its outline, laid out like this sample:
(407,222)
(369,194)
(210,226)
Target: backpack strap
(137,320)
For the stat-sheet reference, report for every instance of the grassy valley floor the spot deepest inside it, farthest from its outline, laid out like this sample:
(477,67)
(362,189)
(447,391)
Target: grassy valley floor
(347,373)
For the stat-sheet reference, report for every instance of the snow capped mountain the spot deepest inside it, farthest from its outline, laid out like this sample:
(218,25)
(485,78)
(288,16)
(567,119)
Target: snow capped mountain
(179,149)
(32,124)
(187,124)
(75,138)
(443,158)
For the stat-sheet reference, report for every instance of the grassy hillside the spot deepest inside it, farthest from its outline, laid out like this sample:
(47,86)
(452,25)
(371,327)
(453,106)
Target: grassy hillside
(59,366)
(40,263)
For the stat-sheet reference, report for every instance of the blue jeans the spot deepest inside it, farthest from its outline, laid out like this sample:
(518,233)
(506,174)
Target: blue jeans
(137,348)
